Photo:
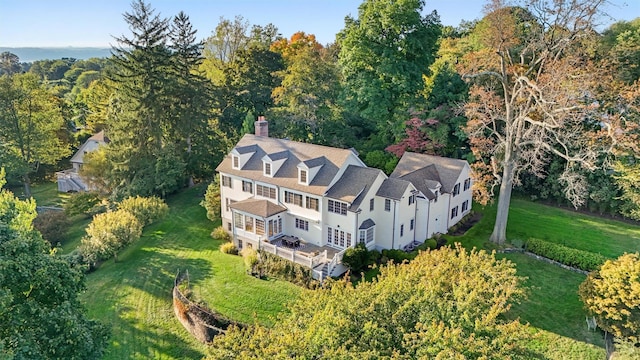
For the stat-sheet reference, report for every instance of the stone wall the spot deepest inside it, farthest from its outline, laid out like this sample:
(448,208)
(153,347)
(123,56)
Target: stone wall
(201,322)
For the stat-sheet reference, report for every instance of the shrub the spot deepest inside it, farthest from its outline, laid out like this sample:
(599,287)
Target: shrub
(81,203)
(145,209)
(430,244)
(229,248)
(109,233)
(220,233)
(580,259)
(250,257)
(356,258)
(52,225)
(398,256)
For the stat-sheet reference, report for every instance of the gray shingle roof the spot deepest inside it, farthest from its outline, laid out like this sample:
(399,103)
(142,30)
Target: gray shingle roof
(393,188)
(279,155)
(287,175)
(444,170)
(258,207)
(353,185)
(311,163)
(367,224)
(246,149)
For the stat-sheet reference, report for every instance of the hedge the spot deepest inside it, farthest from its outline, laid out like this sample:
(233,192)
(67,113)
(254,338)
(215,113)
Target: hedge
(581,259)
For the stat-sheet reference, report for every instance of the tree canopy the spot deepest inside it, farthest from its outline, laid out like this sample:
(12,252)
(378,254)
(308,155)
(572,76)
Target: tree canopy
(445,304)
(41,316)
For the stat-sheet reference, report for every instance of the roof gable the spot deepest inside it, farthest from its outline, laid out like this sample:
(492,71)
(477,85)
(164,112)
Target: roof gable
(416,167)
(353,185)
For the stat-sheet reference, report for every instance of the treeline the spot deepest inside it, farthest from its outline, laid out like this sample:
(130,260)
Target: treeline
(173,106)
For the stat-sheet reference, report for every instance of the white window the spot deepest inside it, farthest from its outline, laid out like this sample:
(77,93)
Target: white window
(371,203)
(467,184)
(402,230)
(312,203)
(369,235)
(387,205)
(247,186)
(348,239)
(266,191)
(337,207)
(329,235)
(302,224)
(362,237)
(236,162)
(411,224)
(267,168)
(292,198)
(412,199)
(456,189)
(248,223)
(259,227)
(226,181)
(436,198)
(303,176)
(238,221)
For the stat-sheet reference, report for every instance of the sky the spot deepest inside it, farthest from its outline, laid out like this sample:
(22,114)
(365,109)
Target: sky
(94,23)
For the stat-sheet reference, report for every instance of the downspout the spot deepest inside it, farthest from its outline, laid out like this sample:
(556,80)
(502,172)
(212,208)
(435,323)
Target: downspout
(415,215)
(354,239)
(393,234)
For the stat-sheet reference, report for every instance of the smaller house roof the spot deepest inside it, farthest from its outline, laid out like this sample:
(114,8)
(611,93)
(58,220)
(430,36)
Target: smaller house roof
(393,188)
(90,145)
(259,207)
(367,224)
(444,170)
(246,149)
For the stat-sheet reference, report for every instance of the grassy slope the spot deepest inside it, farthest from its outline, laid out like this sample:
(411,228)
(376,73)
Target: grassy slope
(553,304)
(134,295)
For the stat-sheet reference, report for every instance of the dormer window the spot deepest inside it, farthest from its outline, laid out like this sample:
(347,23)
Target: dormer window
(303,176)
(267,169)
(236,162)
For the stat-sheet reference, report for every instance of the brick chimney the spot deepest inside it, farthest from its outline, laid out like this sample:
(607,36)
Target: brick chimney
(262,127)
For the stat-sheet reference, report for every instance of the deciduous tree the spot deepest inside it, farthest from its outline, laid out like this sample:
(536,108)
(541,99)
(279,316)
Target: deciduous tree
(445,304)
(30,120)
(612,295)
(531,96)
(41,316)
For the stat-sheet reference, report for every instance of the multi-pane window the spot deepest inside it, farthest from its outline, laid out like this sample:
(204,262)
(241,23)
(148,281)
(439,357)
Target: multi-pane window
(342,238)
(411,224)
(302,224)
(303,176)
(465,205)
(236,162)
(456,190)
(454,212)
(259,226)
(412,199)
(337,207)
(371,203)
(402,230)
(387,205)
(467,184)
(267,169)
(336,235)
(275,227)
(348,239)
(226,181)
(266,191)
(247,186)
(292,198)
(248,223)
(329,235)
(369,235)
(238,221)
(361,238)
(312,203)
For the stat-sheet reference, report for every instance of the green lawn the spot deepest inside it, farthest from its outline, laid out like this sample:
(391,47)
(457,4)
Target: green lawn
(553,305)
(134,295)
(45,194)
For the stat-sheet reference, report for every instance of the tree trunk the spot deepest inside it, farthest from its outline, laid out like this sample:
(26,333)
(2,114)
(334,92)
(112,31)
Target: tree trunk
(27,185)
(499,235)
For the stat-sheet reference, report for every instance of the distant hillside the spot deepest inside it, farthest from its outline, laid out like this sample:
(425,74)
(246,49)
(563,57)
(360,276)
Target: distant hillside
(30,54)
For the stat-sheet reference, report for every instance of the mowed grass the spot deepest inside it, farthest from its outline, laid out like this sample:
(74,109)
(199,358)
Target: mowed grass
(45,194)
(553,306)
(133,295)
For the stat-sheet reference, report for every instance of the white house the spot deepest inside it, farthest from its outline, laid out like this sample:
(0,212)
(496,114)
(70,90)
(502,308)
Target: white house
(309,203)
(70,180)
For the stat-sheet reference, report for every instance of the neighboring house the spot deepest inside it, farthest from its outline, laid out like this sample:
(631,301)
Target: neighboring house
(309,203)
(69,180)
